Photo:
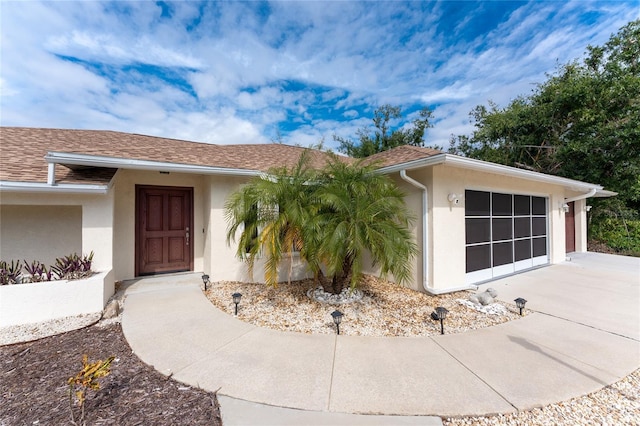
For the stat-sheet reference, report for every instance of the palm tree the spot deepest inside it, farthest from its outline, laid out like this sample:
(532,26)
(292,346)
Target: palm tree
(273,211)
(363,212)
(332,217)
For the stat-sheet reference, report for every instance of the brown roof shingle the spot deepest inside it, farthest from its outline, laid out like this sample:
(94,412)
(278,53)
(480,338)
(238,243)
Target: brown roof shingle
(402,154)
(22,152)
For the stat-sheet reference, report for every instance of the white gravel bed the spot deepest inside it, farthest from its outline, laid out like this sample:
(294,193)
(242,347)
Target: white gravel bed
(35,331)
(386,309)
(617,404)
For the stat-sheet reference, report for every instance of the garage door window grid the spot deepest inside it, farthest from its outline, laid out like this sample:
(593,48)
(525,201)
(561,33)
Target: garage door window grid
(504,232)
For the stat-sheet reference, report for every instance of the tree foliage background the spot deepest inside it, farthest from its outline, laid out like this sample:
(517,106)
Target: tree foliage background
(582,123)
(384,136)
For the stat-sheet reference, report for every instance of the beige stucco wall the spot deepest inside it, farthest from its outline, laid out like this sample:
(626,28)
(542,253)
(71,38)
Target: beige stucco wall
(223,264)
(580,214)
(96,224)
(446,224)
(37,232)
(448,230)
(32,303)
(124,188)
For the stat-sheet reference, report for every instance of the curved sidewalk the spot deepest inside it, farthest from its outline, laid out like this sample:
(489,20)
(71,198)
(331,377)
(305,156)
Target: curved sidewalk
(552,355)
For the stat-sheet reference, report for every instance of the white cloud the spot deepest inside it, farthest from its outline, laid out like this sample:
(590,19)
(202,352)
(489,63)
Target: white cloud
(226,73)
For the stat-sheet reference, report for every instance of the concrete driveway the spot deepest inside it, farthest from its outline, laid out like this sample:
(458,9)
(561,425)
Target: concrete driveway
(583,335)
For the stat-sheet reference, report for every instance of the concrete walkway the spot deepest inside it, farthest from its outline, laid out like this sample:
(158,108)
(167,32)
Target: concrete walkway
(585,334)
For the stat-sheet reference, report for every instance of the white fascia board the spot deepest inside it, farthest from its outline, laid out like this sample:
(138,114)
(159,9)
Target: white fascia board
(127,163)
(604,193)
(66,188)
(487,167)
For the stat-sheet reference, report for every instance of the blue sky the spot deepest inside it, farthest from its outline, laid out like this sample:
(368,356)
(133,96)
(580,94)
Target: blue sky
(253,72)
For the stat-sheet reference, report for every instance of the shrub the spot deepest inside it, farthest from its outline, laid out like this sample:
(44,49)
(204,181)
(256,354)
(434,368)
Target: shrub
(38,271)
(10,273)
(622,235)
(71,267)
(85,380)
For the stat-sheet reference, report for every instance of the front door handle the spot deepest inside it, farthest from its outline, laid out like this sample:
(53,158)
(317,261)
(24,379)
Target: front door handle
(187,236)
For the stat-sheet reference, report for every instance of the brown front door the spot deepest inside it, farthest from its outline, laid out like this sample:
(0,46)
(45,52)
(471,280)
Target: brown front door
(164,223)
(570,229)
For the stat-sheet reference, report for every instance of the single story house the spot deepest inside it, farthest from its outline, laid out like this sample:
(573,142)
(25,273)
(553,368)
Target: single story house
(149,205)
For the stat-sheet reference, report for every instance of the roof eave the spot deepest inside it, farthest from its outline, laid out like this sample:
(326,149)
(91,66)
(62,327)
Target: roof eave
(487,167)
(66,188)
(64,158)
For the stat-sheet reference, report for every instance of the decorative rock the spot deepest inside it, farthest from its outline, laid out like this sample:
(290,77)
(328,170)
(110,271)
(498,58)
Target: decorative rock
(112,309)
(485,298)
(346,296)
(492,309)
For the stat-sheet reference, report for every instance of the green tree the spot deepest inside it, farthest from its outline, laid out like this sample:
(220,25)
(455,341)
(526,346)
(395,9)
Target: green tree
(333,217)
(384,137)
(582,122)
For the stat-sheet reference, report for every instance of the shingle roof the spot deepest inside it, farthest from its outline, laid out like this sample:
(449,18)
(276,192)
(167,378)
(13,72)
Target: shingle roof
(402,154)
(22,152)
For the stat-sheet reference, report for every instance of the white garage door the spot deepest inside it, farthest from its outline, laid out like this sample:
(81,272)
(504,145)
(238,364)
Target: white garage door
(505,233)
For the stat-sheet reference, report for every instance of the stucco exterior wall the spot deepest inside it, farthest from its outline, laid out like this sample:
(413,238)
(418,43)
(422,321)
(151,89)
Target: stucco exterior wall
(45,301)
(448,229)
(37,232)
(96,223)
(124,188)
(580,213)
(223,263)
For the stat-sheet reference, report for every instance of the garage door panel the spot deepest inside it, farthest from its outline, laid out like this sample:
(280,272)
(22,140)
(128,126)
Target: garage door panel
(477,203)
(478,230)
(522,249)
(478,257)
(521,205)
(539,247)
(501,204)
(502,253)
(522,227)
(539,226)
(502,229)
(539,206)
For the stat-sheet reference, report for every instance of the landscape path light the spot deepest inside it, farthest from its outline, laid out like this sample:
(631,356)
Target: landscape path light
(236,300)
(337,319)
(520,302)
(441,314)
(205,281)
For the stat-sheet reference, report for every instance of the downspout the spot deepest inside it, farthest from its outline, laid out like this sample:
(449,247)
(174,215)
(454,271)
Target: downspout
(51,174)
(425,232)
(425,241)
(589,194)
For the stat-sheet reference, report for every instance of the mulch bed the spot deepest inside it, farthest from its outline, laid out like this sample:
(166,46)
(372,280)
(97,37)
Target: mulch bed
(34,384)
